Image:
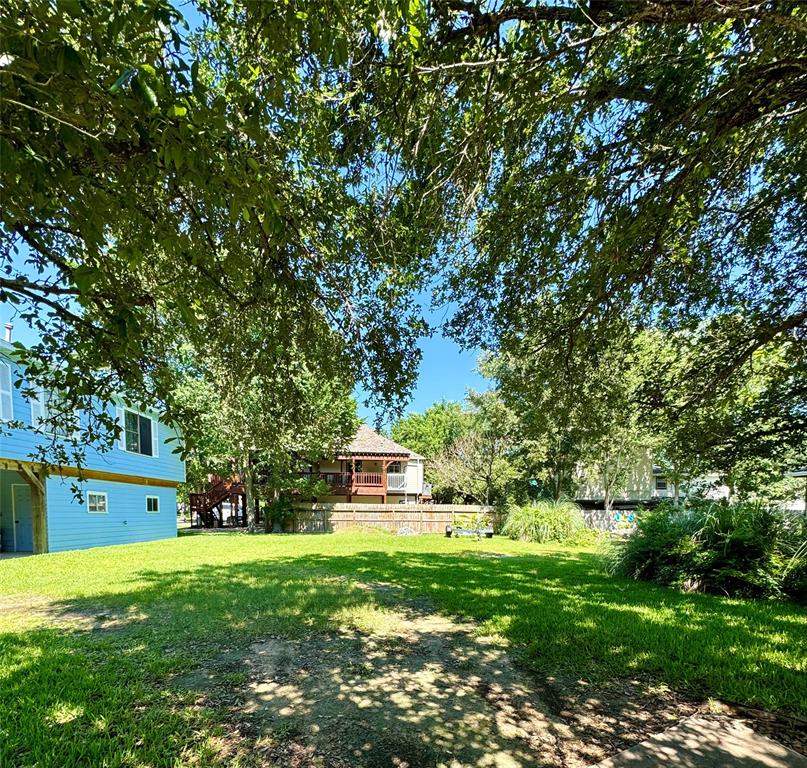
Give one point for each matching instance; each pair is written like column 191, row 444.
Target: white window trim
column 106, row 502
column 157, row 511
column 38, row 401
column 41, row 400
column 7, row 393
column 155, row 432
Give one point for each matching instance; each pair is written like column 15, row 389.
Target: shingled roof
column 368, row 442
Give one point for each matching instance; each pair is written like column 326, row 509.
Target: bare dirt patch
column 396, row 684
column 399, row 688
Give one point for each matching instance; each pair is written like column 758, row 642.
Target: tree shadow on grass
column 119, row 688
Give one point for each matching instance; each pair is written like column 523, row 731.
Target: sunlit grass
column 85, row 674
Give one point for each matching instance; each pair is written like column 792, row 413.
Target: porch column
column 39, row 506
column 385, row 468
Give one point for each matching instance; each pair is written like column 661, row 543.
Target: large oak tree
column 156, row 177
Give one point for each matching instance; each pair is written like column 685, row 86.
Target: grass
column 90, row 641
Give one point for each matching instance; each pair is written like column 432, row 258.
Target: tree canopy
column 570, row 177
column 609, row 167
column 155, row 177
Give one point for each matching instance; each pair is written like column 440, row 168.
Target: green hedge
column 744, row 549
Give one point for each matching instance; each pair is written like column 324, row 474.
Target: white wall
column 640, row 483
column 414, row 476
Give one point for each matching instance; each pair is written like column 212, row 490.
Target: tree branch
column 609, row 11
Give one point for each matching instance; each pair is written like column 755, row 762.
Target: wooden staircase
column 207, row 507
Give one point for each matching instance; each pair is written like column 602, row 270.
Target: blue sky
column 445, row 373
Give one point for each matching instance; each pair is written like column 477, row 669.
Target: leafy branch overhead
column 607, row 167
column 154, row 176
column 566, row 177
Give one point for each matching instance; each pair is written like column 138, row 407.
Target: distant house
column 374, row 470
column 129, row 493
column 646, row 482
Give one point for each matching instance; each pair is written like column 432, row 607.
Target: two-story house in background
column 372, row 469
column 128, row 493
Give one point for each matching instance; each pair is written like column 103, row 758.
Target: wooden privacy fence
column 421, row 518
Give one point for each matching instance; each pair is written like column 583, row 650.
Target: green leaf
column 85, row 276
column 70, row 8
column 144, row 91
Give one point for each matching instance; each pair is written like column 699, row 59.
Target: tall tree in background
column 751, row 434
column 431, row 434
column 267, row 415
column 567, row 413
column 478, row 463
column 267, row 439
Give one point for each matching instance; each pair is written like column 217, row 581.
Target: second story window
column 6, row 403
column 49, row 415
column 139, row 433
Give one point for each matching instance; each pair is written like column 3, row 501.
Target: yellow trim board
column 27, row 467
column 113, row 477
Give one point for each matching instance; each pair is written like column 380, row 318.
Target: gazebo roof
column 368, row 442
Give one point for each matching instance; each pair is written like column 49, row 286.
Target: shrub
column 472, row 522
column 548, row 520
column 745, row 549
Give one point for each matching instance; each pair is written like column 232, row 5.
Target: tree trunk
column 606, row 495
column 249, row 493
column 556, row 485
column 270, row 522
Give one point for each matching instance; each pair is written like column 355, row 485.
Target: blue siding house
column 129, row 493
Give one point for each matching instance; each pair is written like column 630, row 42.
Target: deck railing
column 396, row 481
column 334, row 479
column 348, row 479
column 373, row 479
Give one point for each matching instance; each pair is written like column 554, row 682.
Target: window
column 6, row 403
column 44, row 408
column 395, row 468
column 152, row 504
column 138, row 432
column 661, row 483
column 97, row 503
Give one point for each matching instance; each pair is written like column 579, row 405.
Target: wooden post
column 39, row 507
column 39, row 513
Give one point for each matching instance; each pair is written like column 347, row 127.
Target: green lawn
column 72, row 693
